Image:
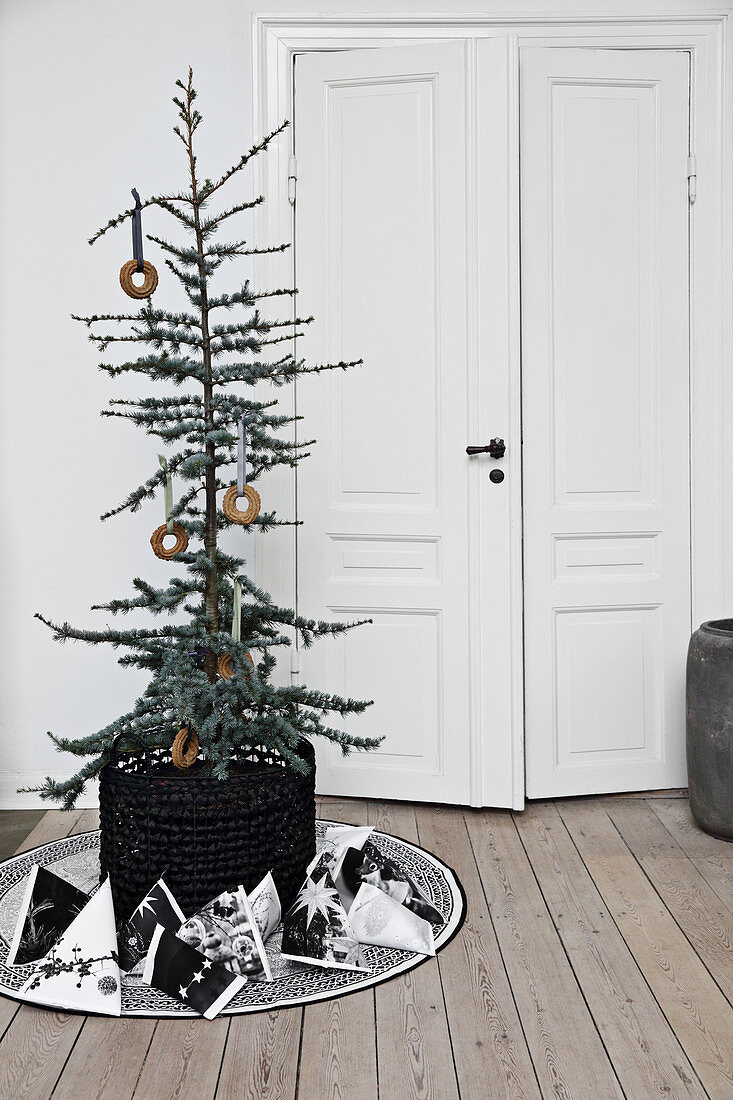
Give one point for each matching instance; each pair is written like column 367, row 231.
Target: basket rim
column 118, row 772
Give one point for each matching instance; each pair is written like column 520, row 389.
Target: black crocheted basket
column 204, row 834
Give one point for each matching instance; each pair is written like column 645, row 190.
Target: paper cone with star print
column 80, row 971
column 157, row 907
column 225, row 931
column 316, row 929
column 184, row 973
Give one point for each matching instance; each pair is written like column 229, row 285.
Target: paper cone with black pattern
column 226, row 932
column 316, row 929
column 80, row 972
column 49, row 906
column 157, row 907
column 181, row 971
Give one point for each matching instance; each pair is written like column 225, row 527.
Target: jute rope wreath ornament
column 225, row 665
column 138, row 265
column 230, row 504
column 169, row 527
column 185, row 748
column 241, row 489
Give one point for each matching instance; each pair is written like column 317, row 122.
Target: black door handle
column 496, row 448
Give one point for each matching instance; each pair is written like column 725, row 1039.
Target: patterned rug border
column 443, row 937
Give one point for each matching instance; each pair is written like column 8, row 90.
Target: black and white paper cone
column 157, row 907
column 226, row 932
column 184, row 973
column 378, row 919
column 336, row 840
column 316, row 929
column 265, row 904
column 371, row 866
column 49, row 906
column 80, row 972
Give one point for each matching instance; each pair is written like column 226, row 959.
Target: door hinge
column 294, row 666
column 692, row 179
column 292, row 179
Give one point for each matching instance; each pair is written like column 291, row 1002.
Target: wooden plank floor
column 596, row 961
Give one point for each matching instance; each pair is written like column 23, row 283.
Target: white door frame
column 708, row 36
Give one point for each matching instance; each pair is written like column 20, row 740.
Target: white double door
column 548, row 611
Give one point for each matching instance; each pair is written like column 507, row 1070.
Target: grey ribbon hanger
column 137, row 232
column 241, row 460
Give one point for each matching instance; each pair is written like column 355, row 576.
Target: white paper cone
column 378, row 919
column 80, row 971
column 265, row 904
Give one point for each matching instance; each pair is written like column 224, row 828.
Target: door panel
column 605, row 379
column 391, row 505
column 380, row 255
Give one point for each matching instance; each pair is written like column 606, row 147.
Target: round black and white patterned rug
column 76, row 858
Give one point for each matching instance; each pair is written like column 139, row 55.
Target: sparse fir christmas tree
column 207, row 675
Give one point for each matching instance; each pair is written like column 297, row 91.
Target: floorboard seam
column 300, row 1053
column 144, row 1061
column 5, row 1030
column 221, row 1062
column 567, row 956
column 642, row 868
column 442, row 988
column 68, row 1056
column 635, row 960
column 501, row 955
column 723, row 902
column 376, row 1039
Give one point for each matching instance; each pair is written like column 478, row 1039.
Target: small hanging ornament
column 241, row 489
column 139, row 265
column 225, row 665
column 169, row 527
column 185, row 748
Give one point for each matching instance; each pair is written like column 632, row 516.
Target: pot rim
column 722, row 627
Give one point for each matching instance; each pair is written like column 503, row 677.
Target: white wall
column 85, row 113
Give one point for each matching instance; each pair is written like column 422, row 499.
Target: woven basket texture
column 204, row 834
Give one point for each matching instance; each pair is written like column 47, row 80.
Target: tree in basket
column 211, row 676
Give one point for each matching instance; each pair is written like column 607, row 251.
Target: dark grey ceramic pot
column 710, row 726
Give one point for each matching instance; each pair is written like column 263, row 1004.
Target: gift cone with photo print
column 316, row 929
column 378, row 919
column 226, row 932
column 336, row 840
column 49, row 906
column 370, row 865
column 80, row 972
column 265, row 904
column 342, row 842
column 181, row 971
column 157, row 907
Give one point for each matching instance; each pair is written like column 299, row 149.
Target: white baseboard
column 11, row 799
